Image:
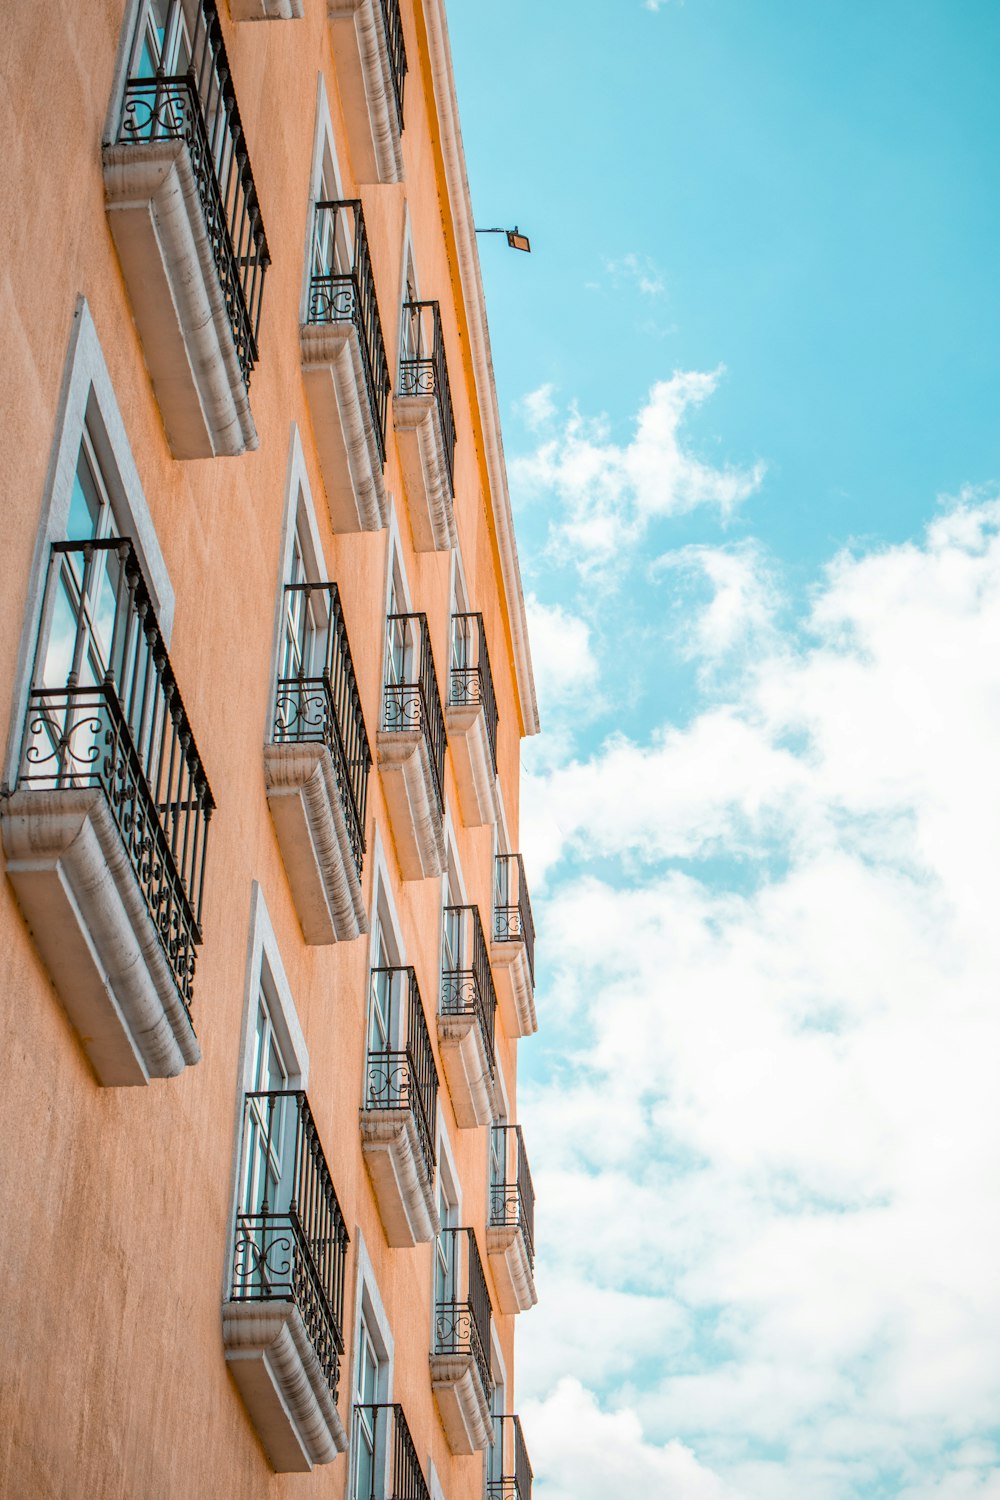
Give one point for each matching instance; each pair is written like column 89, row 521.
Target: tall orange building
column 267, row 948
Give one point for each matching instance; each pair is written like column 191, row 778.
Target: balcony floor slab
column 515, row 989
column 282, row 1384
column 346, row 437
column 158, row 225
column 308, row 814
column 411, row 795
column 511, row 1266
column 425, row 472
column 405, row 1195
column 365, row 77
column 78, row 891
column 473, row 763
column 467, row 1070
column 462, row 1403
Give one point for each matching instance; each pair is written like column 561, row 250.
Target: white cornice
column 479, row 340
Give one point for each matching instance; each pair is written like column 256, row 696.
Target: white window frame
column 383, row 917
column 299, row 515
column 266, row 971
column 87, row 402
column 368, row 1301
column 324, row 155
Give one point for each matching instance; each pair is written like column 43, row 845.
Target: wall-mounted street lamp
column 515, row 239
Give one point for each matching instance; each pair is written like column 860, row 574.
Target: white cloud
column 589, row 1454
column 744, row 601
column 538, row 407
column 610, row 492
column 640, row 271
column 562, row 654
column 778, row 1121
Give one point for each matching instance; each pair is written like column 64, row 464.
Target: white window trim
column 394, row 557
column 263, row 964
column 323, row 143
column 368, row 1297
column 126, row 37
column 86, row 400
column 383, row 900
column 433, row 1482
column 298, row 501
column 498, row 1363
column 459, row 584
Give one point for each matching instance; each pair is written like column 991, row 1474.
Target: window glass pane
column 85, row 502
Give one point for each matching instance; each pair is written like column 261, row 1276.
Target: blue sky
column 749, row 381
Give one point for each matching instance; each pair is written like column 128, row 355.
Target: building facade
column 267, row 948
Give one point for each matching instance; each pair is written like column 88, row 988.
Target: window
column 399, row 637
column 366, row 1397
column 264, row 1141
column 290, row 1241
column 444, row 1249
column 78, row 622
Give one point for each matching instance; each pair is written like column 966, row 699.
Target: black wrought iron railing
column 462, row 1321
column 392, row 21
column 105, row 711
column 423, row 369
column 512, row 1194
column 342, row 290
column 376, row 1426
column 291, row 1240
column 198, row 106
column 512, row 919
column 412, row 698
column 466, row 978
column 400, row 1069
column 509, row 1471
column 471, row 679
column 324, row 707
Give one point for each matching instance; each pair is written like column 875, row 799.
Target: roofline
column 457, row 180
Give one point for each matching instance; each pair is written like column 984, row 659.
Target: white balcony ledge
column 346, row 439
column 403, row 1190
column 360, row 46
column 282, row 1384
column 473, row 763
column 461, row 1402
column 88, row 918
column 312, row 830
column 158, row 226
column 266, row 10
column 425, row 472
column 515, row 991
column 467, row 1070
column 511, row 1266
column 411, row 796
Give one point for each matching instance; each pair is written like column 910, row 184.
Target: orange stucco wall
column 115, row 1203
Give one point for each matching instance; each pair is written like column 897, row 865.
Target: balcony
column 460, row 1363
column 387, row 1466
column 467, row 1018
column 266, row 10
column 183, row 211
column 509, row 1472
column 105, row 831
column 367, row 37
column 316, row 768
column 471, row 718
column 424, row 419
column 283, row 1323
column 399, row 1115
column 512, row 946
column 411, row 746
column 345, row 369
column 510, row 1235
